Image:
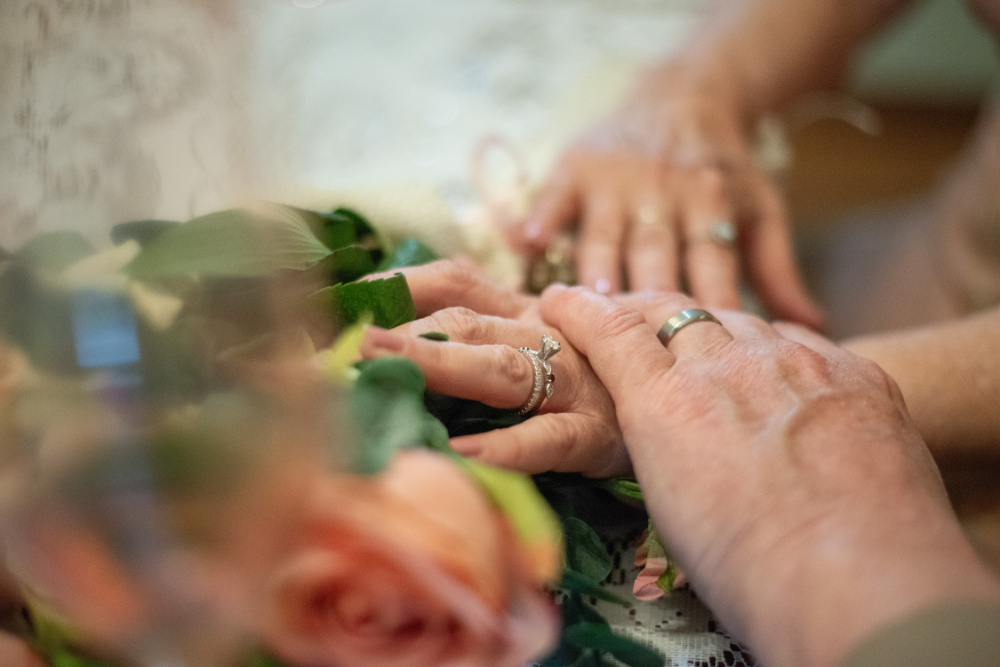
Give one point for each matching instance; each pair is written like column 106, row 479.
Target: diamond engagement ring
column 681, row 320
column 544, row 379
column 722, row 233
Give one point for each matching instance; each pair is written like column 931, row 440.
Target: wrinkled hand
column 574, row 431
column 647, row 186
column 786, row 476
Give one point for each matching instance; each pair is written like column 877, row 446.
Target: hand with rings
column 501, row 353
column 667, row 195
column 783, row 472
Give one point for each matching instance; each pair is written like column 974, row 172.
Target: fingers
column 658, row 308
column 621, row 347
column 712, row 268
column 599, row 252
column 458, row 282
column 651, row 255
column 497, row 375
column 771, row 262
column 556, row 209
column 557, row 441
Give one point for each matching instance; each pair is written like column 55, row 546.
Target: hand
column 574, row 431
column 648, row 186
column 786, row 476
column 15, row 652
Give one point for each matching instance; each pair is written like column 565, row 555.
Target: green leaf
column 435, row 435
column 436, row 335
column 37, row 317
column 55, row 251
column 337, row 362
column 584, row 551
column 350, row 263
column 142, row 231
column 261, row 659
column 516, row 496
column 343, row 227
column 574, row 582
column 235, row 243
column 387, row 404
column 601, row 638
column 629, row 488
column 410, row 252
column 388, row 300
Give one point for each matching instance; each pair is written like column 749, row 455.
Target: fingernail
column 385, row 340
column 603, row 286
column 467, row 447
column 532, row 229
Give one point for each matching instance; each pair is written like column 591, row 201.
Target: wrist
column 830, row 587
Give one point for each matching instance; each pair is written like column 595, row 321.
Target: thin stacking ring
column 542, row 387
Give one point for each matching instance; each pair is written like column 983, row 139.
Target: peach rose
column 410, row 567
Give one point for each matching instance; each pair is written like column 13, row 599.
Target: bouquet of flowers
column 196, row 464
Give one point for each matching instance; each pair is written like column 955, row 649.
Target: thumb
column 621, row 347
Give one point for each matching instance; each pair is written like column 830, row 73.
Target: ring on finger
column 544, row 379
column 722, row 233
column 681, row 320
column 649, row 214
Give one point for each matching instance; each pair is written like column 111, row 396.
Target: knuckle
column 660, row 168
column 463, row 323
column 713, row 183
column 516, row 369
column 878, row 377
column 617, row 321
column 461, row 274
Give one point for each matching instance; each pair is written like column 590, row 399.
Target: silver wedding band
column 681, row 320
column 541, row 388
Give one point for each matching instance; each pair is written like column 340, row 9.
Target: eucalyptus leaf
column 574, row 582
column 436, row 336
column 387, row 405
column 628, row 488
column 409, row 252
column 600, row 637
column 435, row 435
column 387, row 300
column 55, row 251
column 234, row 243
column 585, row 552
column 141, row 231
column 37, row 316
